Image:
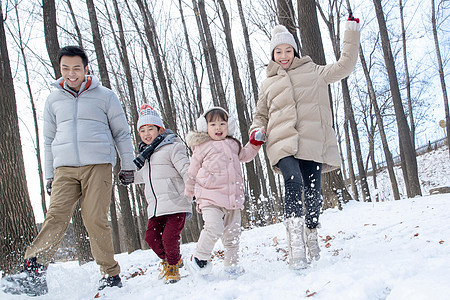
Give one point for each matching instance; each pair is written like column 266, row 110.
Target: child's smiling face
column 149, row 132
column 218, row 129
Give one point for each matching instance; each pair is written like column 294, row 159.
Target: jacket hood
column 195, row 138
column 274, row 68
column 94, row 83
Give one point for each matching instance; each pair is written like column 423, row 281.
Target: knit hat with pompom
column 149, row 116
column 280, row 35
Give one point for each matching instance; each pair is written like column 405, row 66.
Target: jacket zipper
column 151, row 185
column 75, row 119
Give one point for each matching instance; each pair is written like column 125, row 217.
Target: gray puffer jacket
column 84, row 129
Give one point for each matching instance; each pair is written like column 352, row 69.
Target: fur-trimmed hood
column 195, row 138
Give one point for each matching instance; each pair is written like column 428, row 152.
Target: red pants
column 163, row 236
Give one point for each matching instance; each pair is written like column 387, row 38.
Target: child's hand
column 257, row 137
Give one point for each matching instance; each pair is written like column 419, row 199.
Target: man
column 83, row 124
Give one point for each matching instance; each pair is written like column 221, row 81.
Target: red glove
column 352, row 18
column 257, row 137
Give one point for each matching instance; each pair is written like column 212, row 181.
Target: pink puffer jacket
column 215, row 175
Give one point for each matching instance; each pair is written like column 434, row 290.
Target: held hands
column 257, row 137
column 126, row 177
column 48, row 187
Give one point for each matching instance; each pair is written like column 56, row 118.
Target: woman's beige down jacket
column 294, row 109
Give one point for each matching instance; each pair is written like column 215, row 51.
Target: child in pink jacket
column 215, row 180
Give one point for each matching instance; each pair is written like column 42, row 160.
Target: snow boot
column 198, row 267
column 312, row 243
column 296, row 243
column 172, row 274
column 110, row 282
column 163, row 268
column 30, row 281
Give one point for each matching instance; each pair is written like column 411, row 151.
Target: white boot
column 312, row 243
column 296, row 243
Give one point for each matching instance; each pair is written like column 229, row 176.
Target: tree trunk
column 75, row 24
column 51, row 34
column 127, row 216
column 379, row 120
column 441, row 73
column 198, row 89
column 286, row 17
column 333, row 185
column 334, row 32
column 133, row 241
column 407, row 152
column 128, row 75
column 212, row 84
column 407, row 80
column 351, row 117
column 17, row 221
column 351, row 172
column 254, row 181
column 149, row 25
column 212, row 55
column 114, row 223
column 21, row 45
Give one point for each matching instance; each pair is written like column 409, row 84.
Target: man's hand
column 126, row 177
column 48, row 187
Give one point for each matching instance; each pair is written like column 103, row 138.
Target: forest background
column 184, row 56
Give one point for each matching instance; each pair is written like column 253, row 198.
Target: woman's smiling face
column 283, row 55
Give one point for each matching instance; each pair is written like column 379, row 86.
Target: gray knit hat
column 280, row 35
column 149, row 116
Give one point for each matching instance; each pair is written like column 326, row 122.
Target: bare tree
column 254, row 182
column 198, row 89
column 333, row 188
column 21, row 45
column 17, row 221
column 407, row 152
column 379, row 120
column 334, row 31
column 75, row 24
column 51, row 34
column 407, row 80
column 133, row 240
column 212, row 54
column 286, row 17
column 51, row 37
column 251, row 66
column 167, row 110
column 441, row 72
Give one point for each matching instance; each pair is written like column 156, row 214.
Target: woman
column 294, row 109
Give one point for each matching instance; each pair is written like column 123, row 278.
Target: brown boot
column 163, row 268
column 173, row 274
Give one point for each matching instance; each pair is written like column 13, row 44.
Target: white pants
column 220, row 223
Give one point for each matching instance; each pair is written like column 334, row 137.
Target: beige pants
column 93, row 184
column 224, row 223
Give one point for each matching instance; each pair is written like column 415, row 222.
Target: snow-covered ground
column 384, row 250
column 434, row 171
